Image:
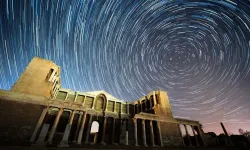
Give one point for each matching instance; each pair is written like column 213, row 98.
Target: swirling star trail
column 198, row 51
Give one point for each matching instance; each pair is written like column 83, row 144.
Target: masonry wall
column 171, row 135
column 17, row 121
column 33, row 79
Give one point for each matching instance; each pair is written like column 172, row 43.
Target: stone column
column 64, row 142
column 66, row 96
column 113, row 132
column 79, row 139
column 78, row 126
column 121, row 108
column 127, row 107
column 144, row 133
column 104, row 130
column 93, row 105
column 141, row 107
column 42, row 135
column 88, row 130
column 225, row 131
column 150, row 103
column 159, row 131
column 115, row 106
column 201, row 135
column 53, row 129
column 187, row 135
column 75, row 96
column 84, row 100
column 154, row 97
column 39, row 123
column 181, row 134
column 146, row 105
column 196, row 140
column 138, row 106
column 121, row 139
column 126, row 140
column 106, row 107
column 152, row 133
column 135, row 131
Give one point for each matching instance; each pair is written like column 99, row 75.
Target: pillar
column 88, row 130
column 141, row 106
column 79, row 139
column 150, row 103
column 84, row 100
column 39, row 123
column 93, row 105
column 154, row 97
column 187, row 135
column 121, row 140
column 135, row 131
column 121, row 108
column 159, row 131
column 138, row 105
column 115, row 106
column 201, row 135
column 225, row 131
column 146, row 105
column 183, row 143
column 78, row 126
column 196, row 140
column 75, row 96
column 106, row 106
column 113, row 131
column 104, row 130
column 53, row 129
column 127, row 107
column 144, row 132
column 64, row 142
column 126, row 140
column 152, row 133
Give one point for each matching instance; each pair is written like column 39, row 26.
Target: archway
column 94, row 131
column 100, row 102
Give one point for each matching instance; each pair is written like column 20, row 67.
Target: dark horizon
column 196, row 51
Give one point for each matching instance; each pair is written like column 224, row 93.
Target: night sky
column 196, row 50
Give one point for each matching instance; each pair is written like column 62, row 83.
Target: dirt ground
column 89, row 147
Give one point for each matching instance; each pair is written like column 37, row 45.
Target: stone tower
column 163, row 108
column 41, row 77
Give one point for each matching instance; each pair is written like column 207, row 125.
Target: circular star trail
column 197, row 51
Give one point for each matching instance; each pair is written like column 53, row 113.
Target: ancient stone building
column 37, row 110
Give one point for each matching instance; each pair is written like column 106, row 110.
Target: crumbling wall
column 17, row 121
column 171, row 135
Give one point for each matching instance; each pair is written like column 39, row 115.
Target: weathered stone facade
column 54, row 115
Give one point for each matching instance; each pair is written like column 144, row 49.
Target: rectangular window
column 61, row 95
column 71, row 97
column 80, row 99
column 111, row 105
column 124, row 108
column 88, row 102
column 49, row 74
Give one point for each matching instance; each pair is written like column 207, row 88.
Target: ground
column 97, row 147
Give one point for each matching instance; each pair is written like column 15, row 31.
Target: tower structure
column 41, row 77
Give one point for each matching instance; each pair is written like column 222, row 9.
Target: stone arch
column 100, row 102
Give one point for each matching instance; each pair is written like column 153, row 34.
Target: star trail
column 197, row 51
